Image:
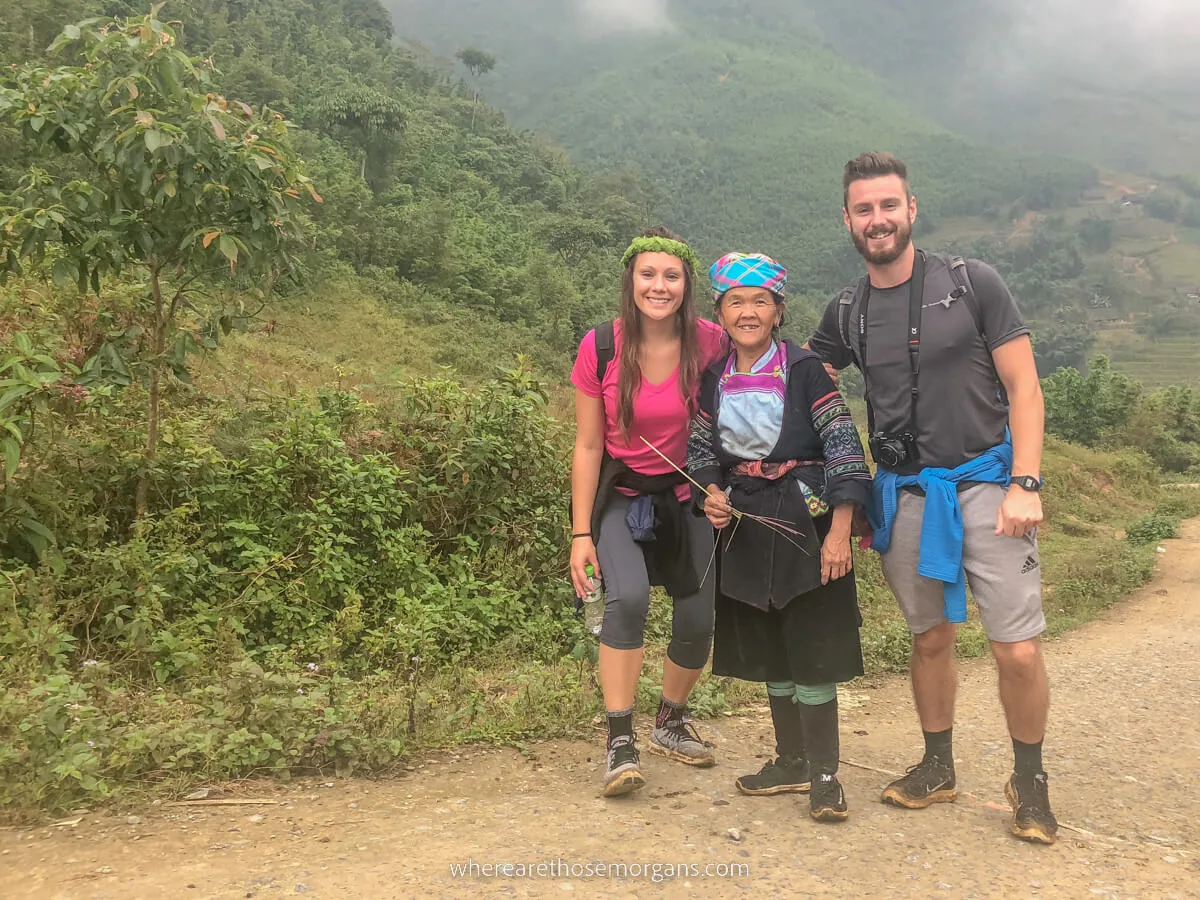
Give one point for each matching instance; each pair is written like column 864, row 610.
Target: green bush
column 1181, row 503
column 1151, row 529
column 327, row 550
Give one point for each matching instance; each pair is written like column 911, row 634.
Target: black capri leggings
column 627, row 589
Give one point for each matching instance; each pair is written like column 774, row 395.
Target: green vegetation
column 1110, row 409
column 742, row 126
column 742, row 114
column 167, row 633
column 349, row 544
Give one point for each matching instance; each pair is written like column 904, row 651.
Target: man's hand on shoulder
column 829, row 369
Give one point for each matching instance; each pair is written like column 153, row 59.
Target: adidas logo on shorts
column 1030, row 565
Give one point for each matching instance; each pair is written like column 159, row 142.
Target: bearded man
column 956, row 421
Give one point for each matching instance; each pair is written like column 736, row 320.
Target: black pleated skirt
column 814, row 639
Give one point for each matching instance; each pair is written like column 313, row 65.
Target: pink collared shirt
column 660, row 414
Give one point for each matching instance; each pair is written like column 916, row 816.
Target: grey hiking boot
column 624, row 774
column 678, row 739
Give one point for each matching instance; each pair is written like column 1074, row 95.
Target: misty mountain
column 1114, row 84
column 740, row 112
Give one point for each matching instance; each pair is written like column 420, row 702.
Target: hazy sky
column 1148, row 36
column 1115, row 40
column 619, row 15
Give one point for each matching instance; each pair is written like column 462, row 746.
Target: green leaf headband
column 660, row 245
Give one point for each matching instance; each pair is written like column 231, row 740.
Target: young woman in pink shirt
column 631, row 515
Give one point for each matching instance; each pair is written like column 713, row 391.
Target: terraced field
column 1173, row 360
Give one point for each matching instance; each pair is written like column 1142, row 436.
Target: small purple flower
column 313, row 667
column 91, row 662
column 91, row 743
column 299, row 690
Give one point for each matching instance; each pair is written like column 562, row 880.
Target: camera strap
column 916, row 296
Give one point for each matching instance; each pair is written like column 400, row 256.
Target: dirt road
column 1123, row 754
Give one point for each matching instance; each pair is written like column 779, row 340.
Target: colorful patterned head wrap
column 747, row 270
column 660, row 245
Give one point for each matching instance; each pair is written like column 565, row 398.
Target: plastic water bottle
column 593, row 602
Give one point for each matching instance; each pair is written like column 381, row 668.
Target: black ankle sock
column 668, row 710
column 620, row 722
column 940, row 744
column 821, row 737
column 1027, row 757
column 789, row 733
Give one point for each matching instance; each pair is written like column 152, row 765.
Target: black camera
column 893, row 450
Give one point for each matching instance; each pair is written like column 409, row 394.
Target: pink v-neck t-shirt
column 660, row 414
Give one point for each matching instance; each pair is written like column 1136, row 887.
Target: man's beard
column 884, row 257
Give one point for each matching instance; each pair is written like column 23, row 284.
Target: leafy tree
column 371, row 17
column 371, row 118
column 1086, row 409
column 573, row 237
column 1169, row 320
column 1164, row 204
column 478, row 63
column 1062, row 343
column 1096, row 234
column 1188, row 183
column 166, row 178
column 27, row 375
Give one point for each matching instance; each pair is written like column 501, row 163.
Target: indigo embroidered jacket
column 781, row 440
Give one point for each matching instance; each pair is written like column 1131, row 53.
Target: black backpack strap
column 606, row 343
column 962, row 279
column 849, row 296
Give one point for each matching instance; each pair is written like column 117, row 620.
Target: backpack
column 606, row 348
column 854, row 294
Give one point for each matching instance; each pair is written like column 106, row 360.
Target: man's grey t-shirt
column 961, row 410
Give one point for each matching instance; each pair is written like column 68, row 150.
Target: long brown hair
column 629, row 375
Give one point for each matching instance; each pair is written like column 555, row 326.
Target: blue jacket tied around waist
column 941, row 555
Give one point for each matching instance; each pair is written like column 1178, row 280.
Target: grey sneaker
column 624, row 773
column 678, row 739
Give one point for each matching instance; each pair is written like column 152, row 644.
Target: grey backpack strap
column 962, row 280
column 606, row 343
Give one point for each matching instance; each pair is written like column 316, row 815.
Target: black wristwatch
column 1027, row 482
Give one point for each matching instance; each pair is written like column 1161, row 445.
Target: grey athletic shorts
column 1003, row 572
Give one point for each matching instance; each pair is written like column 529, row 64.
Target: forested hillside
column 742, row 113
column 232, row 536
column 419, row 182
column 738, row 115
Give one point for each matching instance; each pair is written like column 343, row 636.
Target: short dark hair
column 873, row 165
